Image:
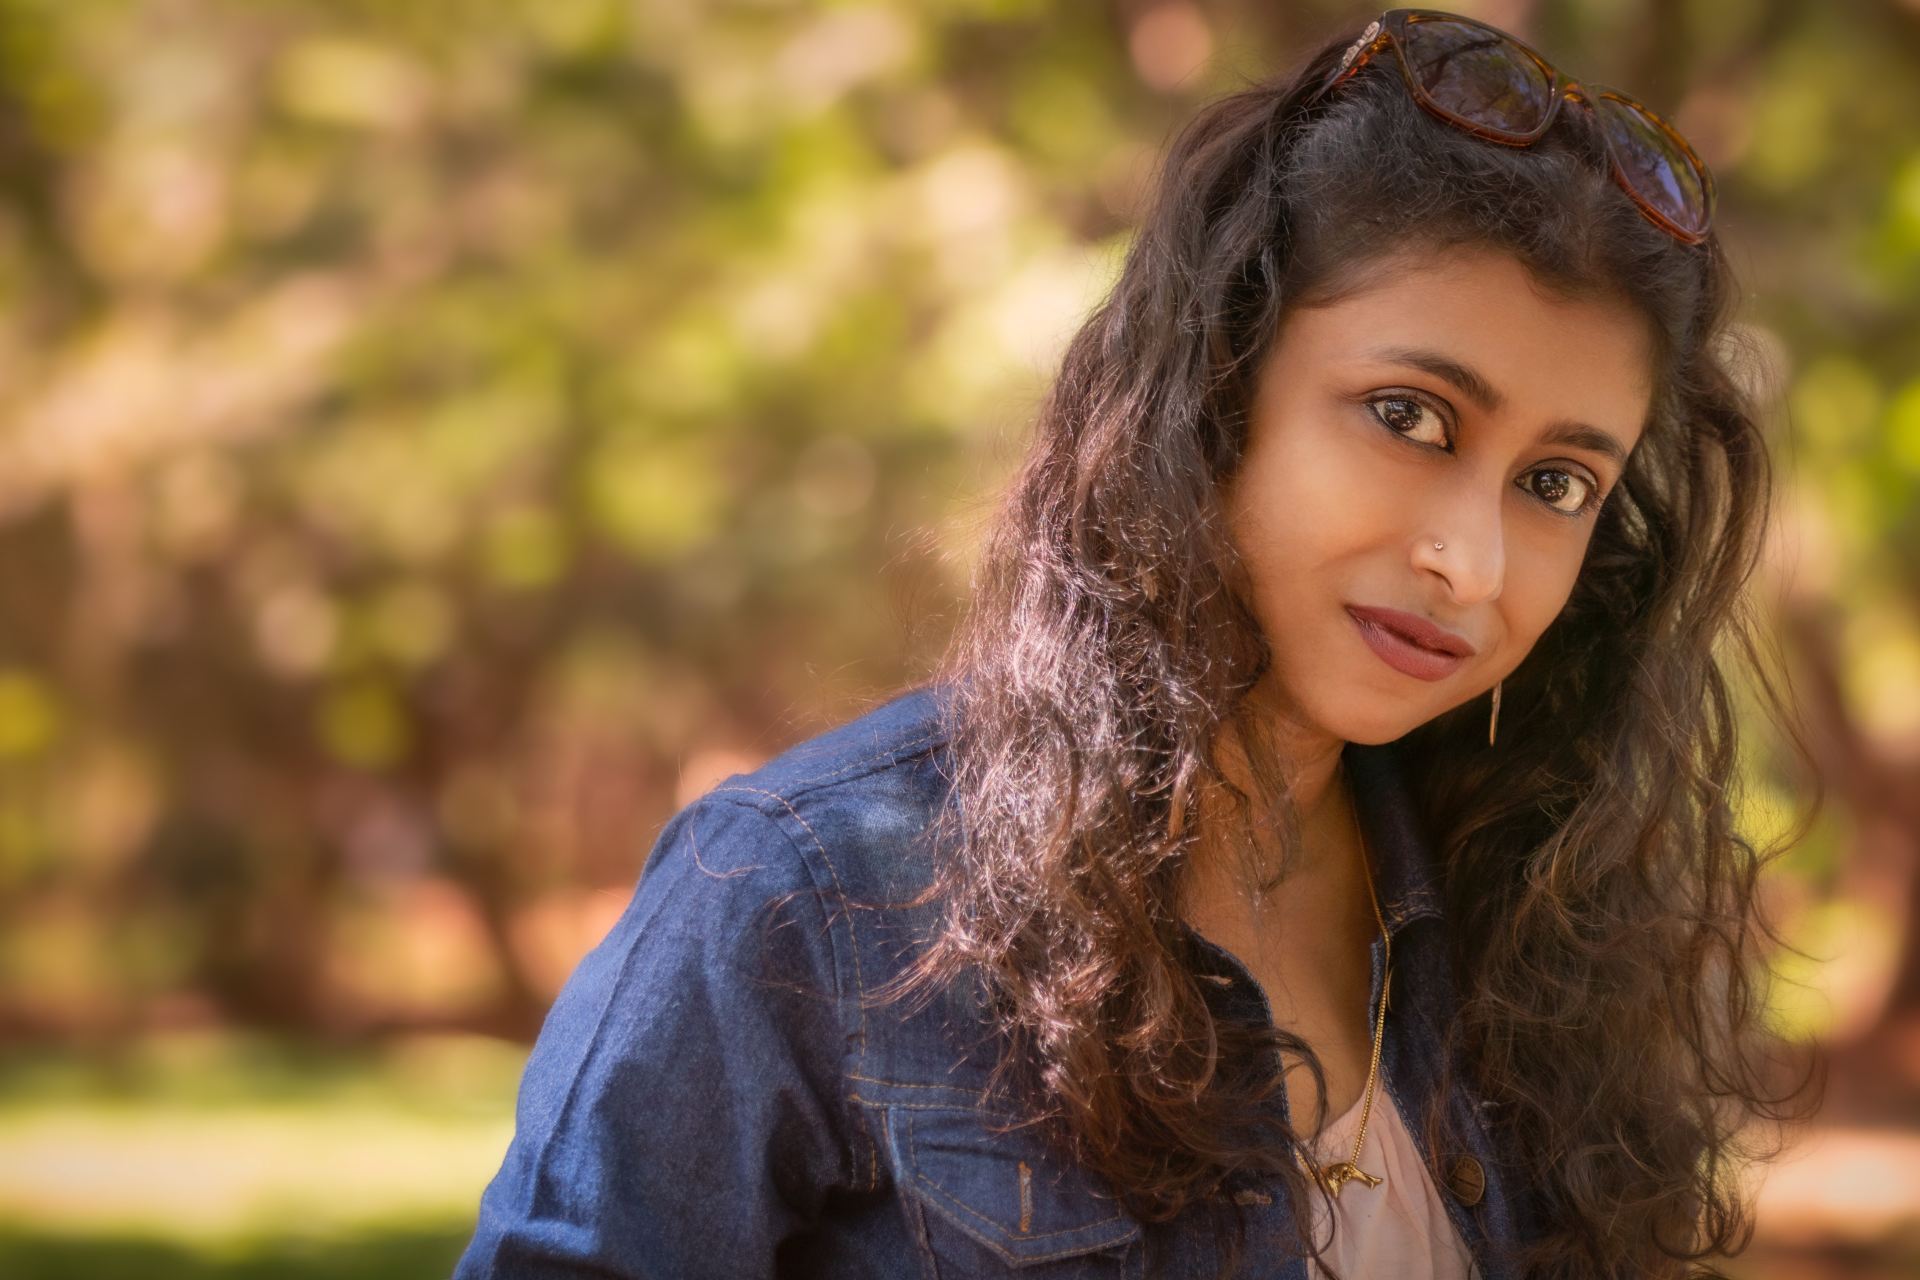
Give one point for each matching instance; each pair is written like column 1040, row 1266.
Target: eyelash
column 1587, row 508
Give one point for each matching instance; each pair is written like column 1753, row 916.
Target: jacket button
column 1467, row 1180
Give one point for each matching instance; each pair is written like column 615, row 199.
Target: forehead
column 1549, row 356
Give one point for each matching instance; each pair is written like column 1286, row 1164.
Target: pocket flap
column 1009, row 1191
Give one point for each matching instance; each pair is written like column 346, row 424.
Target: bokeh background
column 439, row 438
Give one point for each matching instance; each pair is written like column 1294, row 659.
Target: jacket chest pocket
column 997, row 1204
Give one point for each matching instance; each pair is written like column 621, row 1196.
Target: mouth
column 1414, row 629
column 1406, row 654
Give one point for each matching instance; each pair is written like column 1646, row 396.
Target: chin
column 1368, row 726
column 1376, row 733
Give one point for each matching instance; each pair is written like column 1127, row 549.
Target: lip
column 1415, row 628
column 1384, row 631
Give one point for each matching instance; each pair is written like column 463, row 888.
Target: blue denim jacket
column 710, row 1097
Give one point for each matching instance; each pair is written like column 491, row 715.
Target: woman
column 1316, row 851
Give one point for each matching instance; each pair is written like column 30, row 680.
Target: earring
column 1494, row 719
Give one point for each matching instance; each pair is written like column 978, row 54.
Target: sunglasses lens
column 1478, row 75
column 1654, row 164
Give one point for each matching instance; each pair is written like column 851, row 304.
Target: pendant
column 1335, row 1176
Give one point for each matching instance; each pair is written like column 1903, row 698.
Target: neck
column 1298, row 913
column 1312, row 778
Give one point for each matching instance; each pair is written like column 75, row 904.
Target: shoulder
column 908, row 724
column 827, row 847
column 855, row 802
column 741, row 944
column 985, row 1192
column 857, row 807
column 739, row 967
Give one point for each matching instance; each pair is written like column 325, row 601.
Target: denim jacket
column 711, row 1097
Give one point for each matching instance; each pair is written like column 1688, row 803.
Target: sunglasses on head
column 1480, row 79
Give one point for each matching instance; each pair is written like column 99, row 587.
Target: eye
column 1405, row 415
column 1401, row 414
column 1560, row 484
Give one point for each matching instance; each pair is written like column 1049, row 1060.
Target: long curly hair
column 1610, row 947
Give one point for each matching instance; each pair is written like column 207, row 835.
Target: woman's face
column 1425, row 408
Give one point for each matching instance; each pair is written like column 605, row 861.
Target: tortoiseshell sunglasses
column 1478, row 78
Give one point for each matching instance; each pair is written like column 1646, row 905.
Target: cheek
column 1537, row 589
column 1301, row 495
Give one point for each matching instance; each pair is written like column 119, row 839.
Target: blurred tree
column 439, row 439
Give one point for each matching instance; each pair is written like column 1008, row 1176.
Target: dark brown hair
column 1609, row 947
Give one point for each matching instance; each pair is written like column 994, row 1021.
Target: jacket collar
column 1405, row 873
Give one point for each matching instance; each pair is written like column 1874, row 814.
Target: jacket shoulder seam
column 853, row 937
column 898, row 753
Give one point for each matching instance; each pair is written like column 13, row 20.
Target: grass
column 236, row 1156
column 373, row 1254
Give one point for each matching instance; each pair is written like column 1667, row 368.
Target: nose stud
column 1438, row 545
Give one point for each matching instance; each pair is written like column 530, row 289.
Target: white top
column 1399, row 1228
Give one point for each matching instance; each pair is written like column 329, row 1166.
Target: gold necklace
column 1335, row 1176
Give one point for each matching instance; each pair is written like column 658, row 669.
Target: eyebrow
column 1476, row 388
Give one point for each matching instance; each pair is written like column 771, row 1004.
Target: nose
column 1472, row 557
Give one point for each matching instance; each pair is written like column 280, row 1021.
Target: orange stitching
column 885, row 1105
column 913, row 1156
column 1026, row 1198
column 909, row 1084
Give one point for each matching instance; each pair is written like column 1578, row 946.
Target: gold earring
column 1494, row 719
